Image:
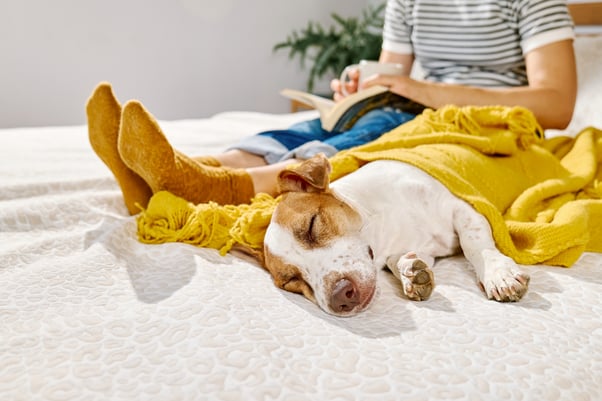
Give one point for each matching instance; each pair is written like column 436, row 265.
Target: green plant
column 346, row 42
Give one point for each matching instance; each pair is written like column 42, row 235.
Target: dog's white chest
column 403, row 209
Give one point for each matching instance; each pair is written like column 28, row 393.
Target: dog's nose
column 345, row 296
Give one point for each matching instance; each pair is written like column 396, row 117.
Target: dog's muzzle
column 347, row 296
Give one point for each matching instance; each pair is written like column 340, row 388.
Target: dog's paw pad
column 507, row 285
column 417, row 278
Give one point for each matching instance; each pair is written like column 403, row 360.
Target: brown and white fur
column 327, row 241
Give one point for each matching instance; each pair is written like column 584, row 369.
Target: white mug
column 368, row 68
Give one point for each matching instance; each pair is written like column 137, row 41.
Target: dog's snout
column 345, row 296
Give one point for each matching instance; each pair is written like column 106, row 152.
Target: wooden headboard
column 586, row 13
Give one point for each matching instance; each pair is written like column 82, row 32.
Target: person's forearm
column 550, row 94
column 551, row 108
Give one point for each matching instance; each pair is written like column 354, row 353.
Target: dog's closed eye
column 309, row 232
column 312, row 232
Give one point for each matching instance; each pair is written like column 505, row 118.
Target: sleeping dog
column 326, row 241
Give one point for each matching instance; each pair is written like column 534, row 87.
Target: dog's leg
column 416, row 277
column 498, row 275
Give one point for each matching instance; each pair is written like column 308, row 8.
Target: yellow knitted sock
column 104, row 114
column 144, row 148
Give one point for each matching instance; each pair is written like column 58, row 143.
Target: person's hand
column 351, row 86
column 396, row 83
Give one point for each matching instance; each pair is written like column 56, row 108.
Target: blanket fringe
column 169, row 218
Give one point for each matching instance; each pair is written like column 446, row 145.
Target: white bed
column 89, row 313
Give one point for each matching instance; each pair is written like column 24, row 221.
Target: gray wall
column 181, row 58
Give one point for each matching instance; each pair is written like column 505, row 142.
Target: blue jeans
column 307, row 138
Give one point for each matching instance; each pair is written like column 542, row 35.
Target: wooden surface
column 586, row 13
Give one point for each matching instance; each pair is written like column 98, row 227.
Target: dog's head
column 313, row 245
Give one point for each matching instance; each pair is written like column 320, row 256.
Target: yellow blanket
column 543, row 197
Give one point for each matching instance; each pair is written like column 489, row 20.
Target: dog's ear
column 309, row 176
column 257, row 254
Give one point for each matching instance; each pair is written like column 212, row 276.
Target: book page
column 320, row 103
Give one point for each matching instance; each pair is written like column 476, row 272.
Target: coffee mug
column 368, row 68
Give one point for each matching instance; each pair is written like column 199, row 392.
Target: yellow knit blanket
column 543, row 197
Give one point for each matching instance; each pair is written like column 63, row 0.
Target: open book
column 340, row 116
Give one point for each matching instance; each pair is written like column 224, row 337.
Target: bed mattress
column 89, row 313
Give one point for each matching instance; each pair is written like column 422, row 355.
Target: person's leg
column 144, row 149
column 104, row 117
column 270, row 147
column 207, row 160
column 237, row 158
column 369, row 127
column 302, row 141
column 263, row 175
column 265, row 178
column 266, row 154
column 104, row 113
column 143, row 162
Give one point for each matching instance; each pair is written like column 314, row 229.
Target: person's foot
column 104, row 115
column 145, row 149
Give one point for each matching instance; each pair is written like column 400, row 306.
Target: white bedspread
column 89, row 313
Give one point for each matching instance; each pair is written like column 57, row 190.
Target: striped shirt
column 474, row 42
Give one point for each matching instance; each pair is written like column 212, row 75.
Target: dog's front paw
column 505, row 284
column 417, row 278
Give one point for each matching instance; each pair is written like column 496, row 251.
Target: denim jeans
column 307, row 138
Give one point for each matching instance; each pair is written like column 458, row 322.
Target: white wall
column 181, row 58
